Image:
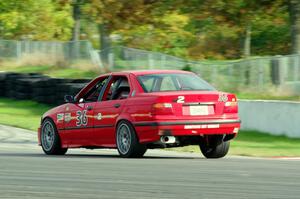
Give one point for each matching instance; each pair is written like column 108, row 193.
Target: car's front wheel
column 214, row 149
column 127, row 141
column 50, row 139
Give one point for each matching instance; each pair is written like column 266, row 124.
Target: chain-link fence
column 258, row 74
column 47, row 52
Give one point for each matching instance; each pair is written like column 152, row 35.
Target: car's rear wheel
column 50, row 140
column 127, row 141
column 215, row 147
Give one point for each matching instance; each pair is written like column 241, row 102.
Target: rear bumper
column 152, row 131
column 176, row 123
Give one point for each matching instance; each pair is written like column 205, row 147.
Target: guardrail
column 272, row 116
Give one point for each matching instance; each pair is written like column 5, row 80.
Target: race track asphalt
column 25, row 172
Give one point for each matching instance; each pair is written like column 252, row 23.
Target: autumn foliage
column 195, row 29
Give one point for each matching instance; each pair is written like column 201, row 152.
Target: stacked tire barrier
column 37, row 87
column 2, row 84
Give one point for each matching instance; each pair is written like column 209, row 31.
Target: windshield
column 173, row 82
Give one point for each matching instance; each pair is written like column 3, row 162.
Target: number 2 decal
column 180, row 99
column 82, row 119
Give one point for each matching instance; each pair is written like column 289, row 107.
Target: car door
column 108, row 110
column 77, row 124
column 79, row 116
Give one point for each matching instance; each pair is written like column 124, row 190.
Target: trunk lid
column 195, row 104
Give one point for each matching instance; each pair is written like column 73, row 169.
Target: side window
column 93, row 94
column 118, row 89
column 167, row 84
column 148, row 82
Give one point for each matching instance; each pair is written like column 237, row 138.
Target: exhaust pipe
column 168, row 139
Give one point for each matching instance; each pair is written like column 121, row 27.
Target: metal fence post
column 27, row 47
column 278, row 69
column 296, row 67
column 18, row 50
column 96, row 59
column 283, row 69
column 275, row 71
column 150, row 61
column 260, row 73
column 111, row 60
column 214, row 74
column 163, row 61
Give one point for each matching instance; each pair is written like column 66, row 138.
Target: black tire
column 52, row 147
column 216, row 151
column 134, row 148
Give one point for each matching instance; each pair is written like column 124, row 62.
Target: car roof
column 148, row 72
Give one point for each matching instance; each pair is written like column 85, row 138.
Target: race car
column 133, row 111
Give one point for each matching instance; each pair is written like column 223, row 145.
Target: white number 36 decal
column 180, row 99
column 81, row 118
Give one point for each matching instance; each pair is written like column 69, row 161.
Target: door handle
column 89, row 108
column 117, row 105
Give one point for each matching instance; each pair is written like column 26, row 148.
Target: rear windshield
column 173, row 82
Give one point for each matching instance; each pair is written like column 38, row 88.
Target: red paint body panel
column 202, row 113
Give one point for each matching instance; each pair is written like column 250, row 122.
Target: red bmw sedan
column 133, row 111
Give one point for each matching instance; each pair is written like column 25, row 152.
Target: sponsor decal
column 236, row 130
column 204, row 126
column 223, row 97
column 213, row 126
column 68, row 117
column 59, row 117
column 99, row 116
column 192, row 126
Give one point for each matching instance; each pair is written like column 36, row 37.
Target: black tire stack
column 10, row 83
column 2, row 84
column 23, row 86
column 38, row 87
column 43, row 90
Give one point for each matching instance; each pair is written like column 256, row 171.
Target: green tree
column 168, row 34
column 31, row 19
column 111, row 15
column 226, row 28
column 294, row 11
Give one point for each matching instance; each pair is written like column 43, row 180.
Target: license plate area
column 198, row 110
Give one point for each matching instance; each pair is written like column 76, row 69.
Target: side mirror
column 69, row 99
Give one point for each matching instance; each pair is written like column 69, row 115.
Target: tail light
column 162, row 109
column 231, row 106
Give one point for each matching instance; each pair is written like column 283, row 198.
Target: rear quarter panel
column 138, row 109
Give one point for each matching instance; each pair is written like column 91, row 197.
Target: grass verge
column 23, row 114
column 262, row 96
column 253, row 143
